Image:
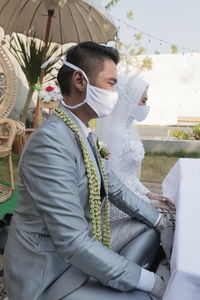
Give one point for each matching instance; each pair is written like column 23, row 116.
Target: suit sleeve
column 49, row 171
column 128, row 202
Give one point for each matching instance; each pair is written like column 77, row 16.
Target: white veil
column 130, row 89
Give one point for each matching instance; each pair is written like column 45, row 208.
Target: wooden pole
column 48, row 28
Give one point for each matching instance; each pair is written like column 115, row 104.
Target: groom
column 60, row 245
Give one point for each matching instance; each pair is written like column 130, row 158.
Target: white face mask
column 140, row 112
column 100, row 100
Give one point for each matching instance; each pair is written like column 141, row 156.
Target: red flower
column 49, row 88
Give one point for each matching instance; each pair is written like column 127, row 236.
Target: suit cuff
column 158, row 220
column 146, row 281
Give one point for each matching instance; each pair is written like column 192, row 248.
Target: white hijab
column 130, row 89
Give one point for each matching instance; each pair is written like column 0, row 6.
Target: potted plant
column 196, row 131
column 29, row 53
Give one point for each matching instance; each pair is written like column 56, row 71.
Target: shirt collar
column 85, row 129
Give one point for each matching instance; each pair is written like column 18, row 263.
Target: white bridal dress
column 123, row 142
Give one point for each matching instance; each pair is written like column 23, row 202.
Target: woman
column 124, row 144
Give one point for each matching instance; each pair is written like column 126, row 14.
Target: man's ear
column 79, row 81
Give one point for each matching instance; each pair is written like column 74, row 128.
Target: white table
column 182, row 185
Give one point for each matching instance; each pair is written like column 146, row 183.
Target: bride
column 124, row 143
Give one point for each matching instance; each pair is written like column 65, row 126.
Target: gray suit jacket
column 50, row 251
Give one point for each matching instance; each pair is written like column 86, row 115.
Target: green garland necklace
column 100, row 229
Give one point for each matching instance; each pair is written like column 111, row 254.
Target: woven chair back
column 7, row 133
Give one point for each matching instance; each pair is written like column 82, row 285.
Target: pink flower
column 49, row 88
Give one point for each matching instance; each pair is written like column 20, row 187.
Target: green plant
column 29, row 52
column 111, row 3
column 132, row 54
column 196, row 131
column 174, row 49
column 181, row 135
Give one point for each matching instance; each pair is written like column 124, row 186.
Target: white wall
column 174, row 88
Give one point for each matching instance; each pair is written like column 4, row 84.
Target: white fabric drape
column 182, row 186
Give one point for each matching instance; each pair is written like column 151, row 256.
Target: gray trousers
column 133, row 240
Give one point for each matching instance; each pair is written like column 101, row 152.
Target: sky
column 175, row 21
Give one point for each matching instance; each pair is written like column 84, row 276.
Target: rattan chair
column 7, row 135
column 20, row 137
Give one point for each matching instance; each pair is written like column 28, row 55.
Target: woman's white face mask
column 138, row 112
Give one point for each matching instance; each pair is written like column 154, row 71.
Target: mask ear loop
column 68, row 64
column 76, row 69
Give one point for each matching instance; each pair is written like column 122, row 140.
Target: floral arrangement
column 100, row 228
column 49, row 93
column 103, row 150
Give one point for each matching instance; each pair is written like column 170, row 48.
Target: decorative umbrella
column 68, row 20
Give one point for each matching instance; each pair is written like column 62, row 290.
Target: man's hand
column 164, row 227
column 159, row 287
column 164, row 200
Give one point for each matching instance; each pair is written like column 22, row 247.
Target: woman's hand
column 164, row 200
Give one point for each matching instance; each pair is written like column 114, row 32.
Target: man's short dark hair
column 89, row 57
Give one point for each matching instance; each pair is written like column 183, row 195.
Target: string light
column 149, row 35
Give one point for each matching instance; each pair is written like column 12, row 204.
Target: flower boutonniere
column 102, row 148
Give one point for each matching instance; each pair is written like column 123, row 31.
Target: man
column 59, row 237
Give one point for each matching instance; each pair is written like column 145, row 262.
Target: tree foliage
column 111, row 3
column 127, row 51
column 130, row 14
column 133, row 55
column 174, row 49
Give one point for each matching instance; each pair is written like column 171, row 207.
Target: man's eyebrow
column 145, row 98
